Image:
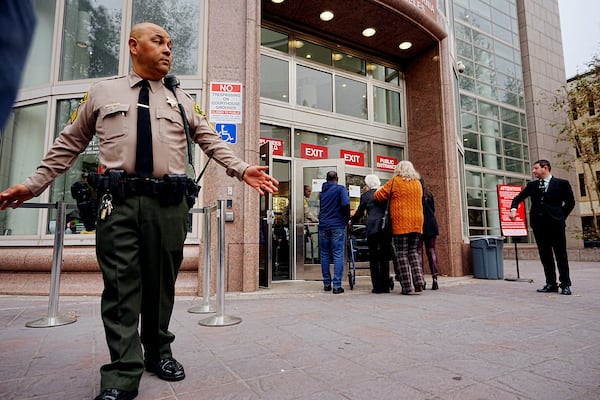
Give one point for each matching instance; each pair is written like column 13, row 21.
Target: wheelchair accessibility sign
column 228, row 132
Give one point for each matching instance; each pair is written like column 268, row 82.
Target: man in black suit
column 552, row 201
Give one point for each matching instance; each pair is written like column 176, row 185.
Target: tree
column 579, row 101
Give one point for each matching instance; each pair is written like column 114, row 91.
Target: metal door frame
column 297, row 245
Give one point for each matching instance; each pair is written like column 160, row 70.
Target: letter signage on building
column 313, row 152
column 354, row 158
column 225, row 103
column 277, row 145
column 386, row 163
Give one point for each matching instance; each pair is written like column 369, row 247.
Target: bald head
column 150, row 49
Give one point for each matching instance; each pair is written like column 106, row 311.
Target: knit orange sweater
column 406, row 206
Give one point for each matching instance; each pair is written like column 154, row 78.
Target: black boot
column 434, row 286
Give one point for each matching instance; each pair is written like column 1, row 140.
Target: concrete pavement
column 472, row 339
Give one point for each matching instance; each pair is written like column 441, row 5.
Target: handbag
column 385, row 226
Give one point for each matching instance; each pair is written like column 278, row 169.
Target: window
column 582, row 190
column 274, row 40
column 181, row 19
column 314, row 88
column 313, row 52
column 274, row 78
column 91, row 39
column 37, row 69
column 21, row 148
column 350, row 97
column 386, row 106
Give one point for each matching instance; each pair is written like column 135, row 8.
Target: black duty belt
column 170, row 190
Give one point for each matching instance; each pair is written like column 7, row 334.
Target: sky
column 580, row 27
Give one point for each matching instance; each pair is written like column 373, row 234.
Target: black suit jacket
column 554, row 205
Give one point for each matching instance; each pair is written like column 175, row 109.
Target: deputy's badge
column 74, row 115
column 172, row 102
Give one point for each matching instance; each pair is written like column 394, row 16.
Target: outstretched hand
column 14, row 196
column 256, row 177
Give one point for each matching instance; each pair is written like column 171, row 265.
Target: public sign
column 518, row 227
column 225, row 103
column 228, row 132
column 386, row 163
column 277, row 145
column 353, row 158
column 313, row 151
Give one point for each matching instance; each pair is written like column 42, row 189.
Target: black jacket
column 374, row 209
column 553, row 205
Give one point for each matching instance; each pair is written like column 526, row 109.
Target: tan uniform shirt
column 109, row 110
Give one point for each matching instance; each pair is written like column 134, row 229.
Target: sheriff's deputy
column 139, row 239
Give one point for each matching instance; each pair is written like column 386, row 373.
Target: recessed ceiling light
column 368, row 32
column 326, row 16
column 277, row 1
column 405, row 45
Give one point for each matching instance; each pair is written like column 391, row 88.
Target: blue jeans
column 331, row 244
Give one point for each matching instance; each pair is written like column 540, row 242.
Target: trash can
column 487, row 256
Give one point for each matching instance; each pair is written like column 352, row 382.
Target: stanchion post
column 205, row 307
column 220, row 319
column 53, row 319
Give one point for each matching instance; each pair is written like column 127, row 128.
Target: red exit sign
column 313, row 152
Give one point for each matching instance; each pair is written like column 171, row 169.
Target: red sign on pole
column 313, row 151
column 518, row 227
column 353, row 158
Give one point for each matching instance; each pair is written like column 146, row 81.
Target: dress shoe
column 338, row 290
column 327, row 288
column 419, row 288
column 435, row 286
column 548, row 289
column 117, row 394
column 167, row 369
column 566, row 290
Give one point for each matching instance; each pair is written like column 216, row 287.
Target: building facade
column 453, row 86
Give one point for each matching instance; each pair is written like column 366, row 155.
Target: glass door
column 267, row 218
column 310, row 175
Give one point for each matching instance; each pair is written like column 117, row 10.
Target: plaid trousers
column 409, row 260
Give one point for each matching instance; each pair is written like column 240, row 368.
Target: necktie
column 542, row 185
column 143, row 156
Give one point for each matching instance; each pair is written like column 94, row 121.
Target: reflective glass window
column 349, row 63
column 274, row 40
column 313, row 52
column 37, row 68
column 274, row 78
column 351, row 97
column 181, row 19
column 91, row 39
column 386, row 106
column 314, row 88
column 21, row 149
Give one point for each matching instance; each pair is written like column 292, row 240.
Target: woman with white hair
column 379, row 245
column 406, row 212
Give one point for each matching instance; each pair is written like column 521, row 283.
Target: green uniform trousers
column 139, row 247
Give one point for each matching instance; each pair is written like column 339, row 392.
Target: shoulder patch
column 198, row 110
column 201, row 113
column 83, row 100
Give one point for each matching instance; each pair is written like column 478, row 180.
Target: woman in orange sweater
column 406, row 212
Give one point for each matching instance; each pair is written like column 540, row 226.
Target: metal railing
column 53, row 318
